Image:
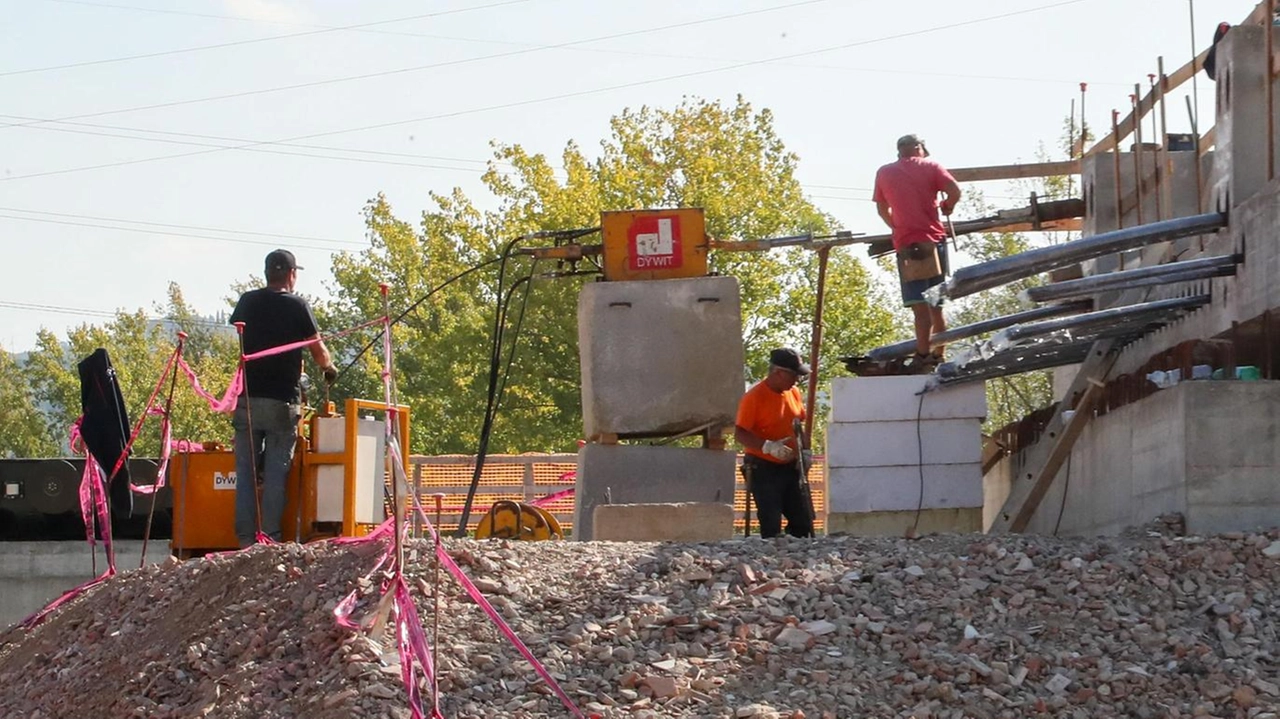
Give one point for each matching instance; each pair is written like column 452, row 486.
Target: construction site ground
column 1145, row 625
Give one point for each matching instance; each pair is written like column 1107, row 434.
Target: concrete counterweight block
column 644, row 474
column 899, row 460
column 660, row 357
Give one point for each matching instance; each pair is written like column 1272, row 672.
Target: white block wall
column 878, row 428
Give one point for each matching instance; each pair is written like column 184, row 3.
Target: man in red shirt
column 764, row 429
column 906, row 196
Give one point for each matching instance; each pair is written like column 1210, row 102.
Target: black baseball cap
column 282, row 260
column 787, row 358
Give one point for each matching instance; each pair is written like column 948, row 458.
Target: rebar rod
column 906, row 347
column 1003, row 270
column 1141, row 277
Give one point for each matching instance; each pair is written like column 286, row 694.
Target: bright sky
column 151, row 141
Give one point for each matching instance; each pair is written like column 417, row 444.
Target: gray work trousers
column 263, row 452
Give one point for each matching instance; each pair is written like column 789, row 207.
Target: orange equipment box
column 204, row 501
column 654, row 244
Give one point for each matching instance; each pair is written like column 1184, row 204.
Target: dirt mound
column 950, row 626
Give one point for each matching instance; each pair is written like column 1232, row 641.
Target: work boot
column 922, row 364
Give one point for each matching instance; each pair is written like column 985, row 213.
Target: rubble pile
column 936, row 627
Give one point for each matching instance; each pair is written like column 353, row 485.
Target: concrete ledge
column 32, row 574
column 896, row 524
column 673, row 522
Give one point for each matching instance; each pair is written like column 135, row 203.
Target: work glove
column 779, row 450
column 330, row 374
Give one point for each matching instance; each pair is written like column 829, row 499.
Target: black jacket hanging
column 105, row 427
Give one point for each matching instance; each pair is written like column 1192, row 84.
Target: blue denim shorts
column 913, row 290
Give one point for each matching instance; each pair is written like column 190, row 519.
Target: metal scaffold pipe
column 1197, row 269
column 1002, row 271
column 1102, row 318
column 904, row 348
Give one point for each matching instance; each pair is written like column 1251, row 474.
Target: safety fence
column 526, row 477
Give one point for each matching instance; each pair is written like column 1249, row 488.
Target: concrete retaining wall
column 1208, row 450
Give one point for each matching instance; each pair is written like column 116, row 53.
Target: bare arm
column 320, row 354
column 885, row 213
column 952, row 191
column 747, row 438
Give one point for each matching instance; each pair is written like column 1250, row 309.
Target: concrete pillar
column 893, row 454
column 1241, row 129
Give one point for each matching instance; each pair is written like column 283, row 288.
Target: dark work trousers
column 776, row 489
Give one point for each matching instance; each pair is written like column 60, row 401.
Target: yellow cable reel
column 517, row 520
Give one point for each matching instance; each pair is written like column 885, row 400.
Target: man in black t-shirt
column 266, row 417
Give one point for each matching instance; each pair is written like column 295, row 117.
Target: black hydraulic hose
column 412, row 307
column 495, row 361
column 515, row 334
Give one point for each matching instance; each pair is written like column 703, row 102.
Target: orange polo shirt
column 769, row 415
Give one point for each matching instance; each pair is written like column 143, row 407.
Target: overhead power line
column 428, row 66
column 562, row 96
column 210, row 238
column 86, row 312
column 234, row 43
column 181, row 227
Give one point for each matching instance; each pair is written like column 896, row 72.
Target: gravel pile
column 945, row 626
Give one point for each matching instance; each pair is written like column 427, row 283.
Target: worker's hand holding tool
column 778, row 449
column 330, row 374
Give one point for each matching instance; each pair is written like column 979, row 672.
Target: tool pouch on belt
column 919, row 261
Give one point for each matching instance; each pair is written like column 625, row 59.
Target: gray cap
column 913, row 139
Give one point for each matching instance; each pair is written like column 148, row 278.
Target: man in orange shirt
column 764, row 429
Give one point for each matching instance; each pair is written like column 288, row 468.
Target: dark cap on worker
column 912, row 139
column 787, row 358
column 282, row 260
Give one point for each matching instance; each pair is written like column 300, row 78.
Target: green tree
column 22, row 427
column 727, row 160
column 139, row 347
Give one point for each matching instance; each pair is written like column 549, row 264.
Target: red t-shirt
column 910, row 186
column 769, row 415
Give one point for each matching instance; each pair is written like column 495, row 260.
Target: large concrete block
column 885, row 399
column 872, row 489
column 644, row 474
column 897, row 524
column 883, row 444
column 660, row 357
column 670, row 522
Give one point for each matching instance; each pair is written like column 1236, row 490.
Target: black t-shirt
column 272, row 318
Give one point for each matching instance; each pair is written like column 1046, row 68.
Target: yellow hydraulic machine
column 338, row 484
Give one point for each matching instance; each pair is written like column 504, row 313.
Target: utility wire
column 169, row 234
column 166, row 224
column 235, row 43
column 80, row 311
column 521, row 103
column 428, row 66
column 225, row 138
